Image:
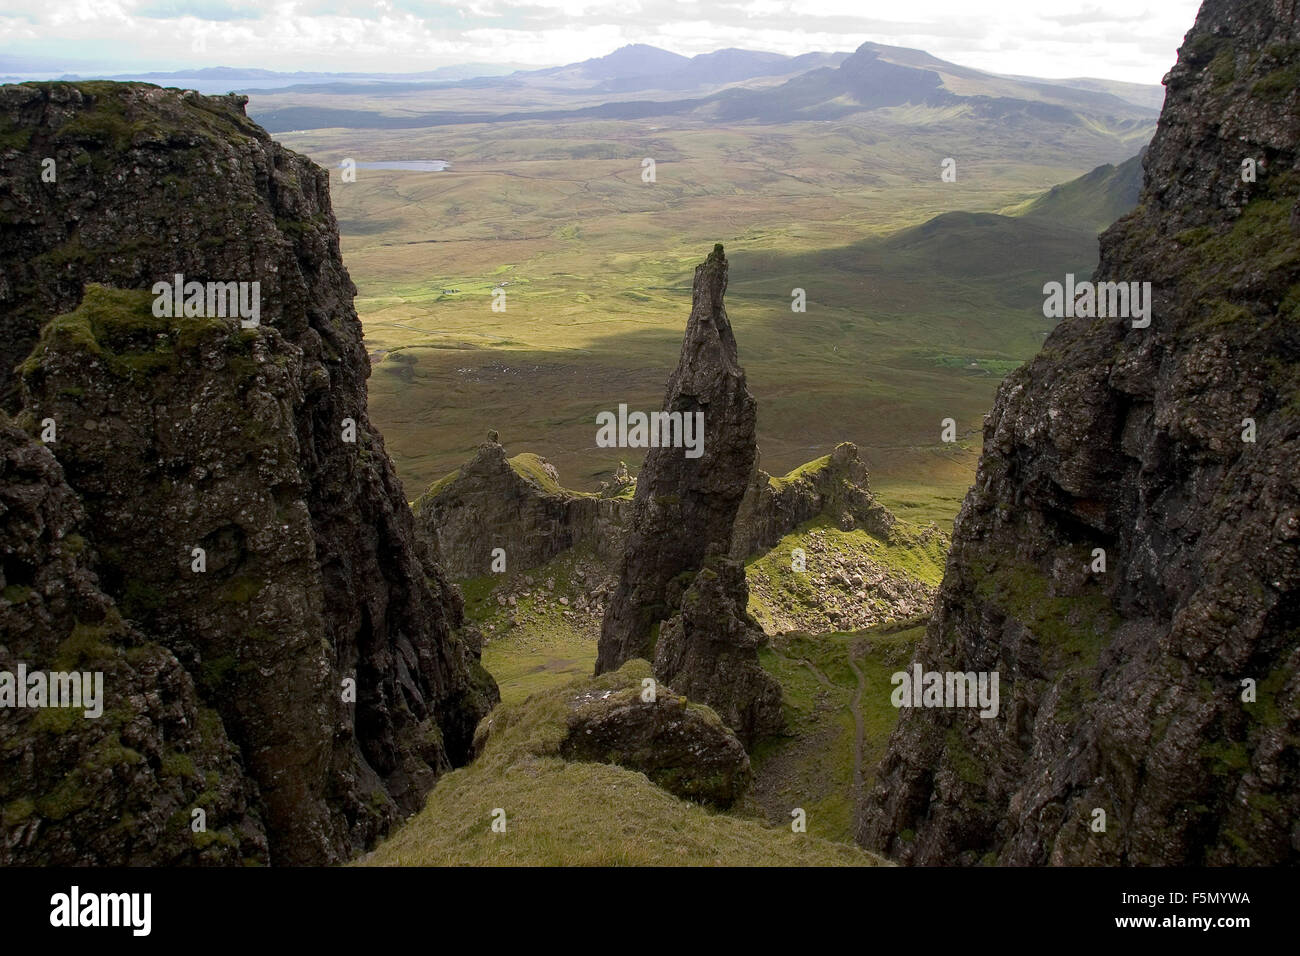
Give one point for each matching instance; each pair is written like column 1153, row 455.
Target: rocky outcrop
column 1164, row 690
column 250, row 444
column 622, row 482
column 516, row 505
column 519, row 506
column 708, row 650
column 681, row 746
column 621, row 717
column 836, row 485
column 684, row 506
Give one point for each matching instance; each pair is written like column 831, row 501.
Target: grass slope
column 580, row 814
column 778, row 594
column 533, row 646
column 840, row 724
column 1094, row 201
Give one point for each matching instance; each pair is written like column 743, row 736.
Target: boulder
column 679, row 744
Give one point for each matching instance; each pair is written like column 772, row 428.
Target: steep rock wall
column 1122, row 691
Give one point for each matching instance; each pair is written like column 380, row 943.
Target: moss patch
column 803, row 471
column 118, row 327
column 1277, row 85
column 16, row 593
column 1078, row 626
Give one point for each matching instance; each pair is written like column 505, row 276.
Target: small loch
column 411, row 165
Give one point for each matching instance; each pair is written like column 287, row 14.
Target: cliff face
column 118, row 787
column 192, row 432
column 1124, row 690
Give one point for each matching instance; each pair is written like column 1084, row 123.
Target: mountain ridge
column 872, row 77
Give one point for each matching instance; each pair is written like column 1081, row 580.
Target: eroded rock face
column 490, row 503
column 1123, row 690
column 683, row 506
column 709, row 652
column 118, row 786
column 680, row 746
column 182, row 433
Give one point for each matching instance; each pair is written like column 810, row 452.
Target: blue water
column 414, row 165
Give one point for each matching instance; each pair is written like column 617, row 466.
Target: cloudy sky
column 1131, row 40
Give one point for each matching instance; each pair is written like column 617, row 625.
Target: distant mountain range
column 640, row 67
column 633, row 68
column 822, row 87
column 877, row 76
column 810, row 86
column 1142, row 94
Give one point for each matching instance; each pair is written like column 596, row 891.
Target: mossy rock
column 118, row 327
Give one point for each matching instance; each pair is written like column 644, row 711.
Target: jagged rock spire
column 684, row 505
column 679, row 601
